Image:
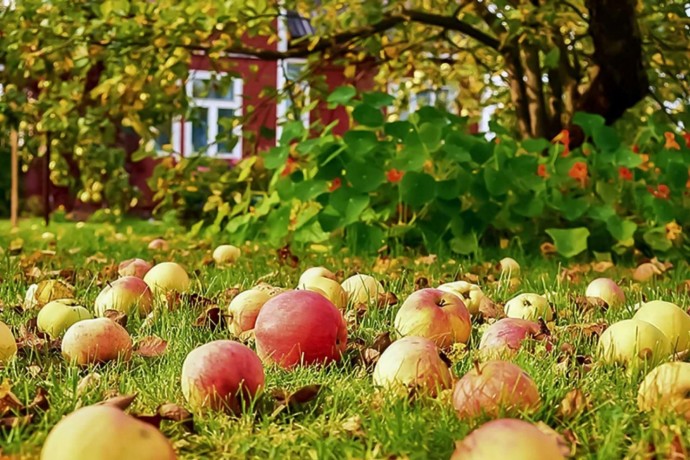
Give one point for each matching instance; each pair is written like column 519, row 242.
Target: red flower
column 671, row 142
column 624, row 173
column 579, row 172
column 563, row 138
column 662, row 191
column 394, row 176
column 686, row 136
column 290, row 166
column 635, row 148
column 335, row 185
column 541, row 171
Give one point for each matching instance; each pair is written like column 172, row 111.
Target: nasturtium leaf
column 588, row 122
column 569, row 242
column 341, row 95
column 417, row 189
column 364, row 177
column 621, row 229
column 368, row 115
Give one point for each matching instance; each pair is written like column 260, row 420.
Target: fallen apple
column 94, row 341
column 8, row 346
column 505, row 336
column 105, row 432
column 46, row 291
column 670, row 319
column 471, row 294
column 57, row 316
column 226, row 254
column 495, row 388
column 607, row 290
column 222, row 375
column 509, row 267
column 437, row 315
column 362, row 289
column 127, row 295
column 300, row 327
column 134, row 267
column 244, row 309
column 632, row 341
column 159, row 244
column 412, row 363
column 315, row 272
column 508, row 438
column 167, row 277
column 330, row 289
column 666, row 388
column 529, row 306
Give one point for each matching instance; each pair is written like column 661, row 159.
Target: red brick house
column 246, row 95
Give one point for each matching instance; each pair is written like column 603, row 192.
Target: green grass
column 350, row 418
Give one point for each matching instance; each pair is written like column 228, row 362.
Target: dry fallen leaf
column 573, row 404
column 117, row 316
column 171, row 412
column 302, row 395
column 212, row 318
column 121, row 402
column 151, row 347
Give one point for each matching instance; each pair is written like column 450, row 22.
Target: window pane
column 225, row 117
column 163, row 141
column 199, row 129
column 213, row 89
column 424, row 98
column 293, row 71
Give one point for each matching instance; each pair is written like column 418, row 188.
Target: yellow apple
column 670, row 319
column 57, row 316
column 631, row 341
column 244, row 309
column 330, row 289
column 667, row 388
column 530, row 307
column 315, row 272
column 127, row 295
column 167, row 277
column 362, row 289
column 226, row 254
column 607, row 290
column 8, row 346
column 94, row 341
column 159, row 244
column 471, row 294
column 509, row 267
column 105, row 433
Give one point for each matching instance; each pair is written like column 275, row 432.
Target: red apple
column 134, row 267
column 505, row 336
column 127, row 295
column 508, row 439
column 222, row 375
column 435, row 314
column 493, row 387
column 300, row 327
column 96, row 341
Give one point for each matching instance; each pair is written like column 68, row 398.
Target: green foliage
column 427, row 182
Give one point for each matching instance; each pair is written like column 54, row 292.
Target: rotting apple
column 57, row 316
column 222, row 375
column 631, row 342
column 667, row 388
column 167, row 277
column 471, row 294
column 226, row 254
column 244, row 309
column 670, row 319
column 327, row 287
column 300, row 327
column 508, row 438
column 96, row 340
column 127, row 295
column 412, row 363
column 362, row 289
column 134, row 267
column 529, row 306
column 437, row 315
column 607, row 290
column 505, row 336
column 103, row 432
column 495, row 388
column 8, row 345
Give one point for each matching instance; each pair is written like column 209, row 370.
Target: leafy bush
column 429, row 181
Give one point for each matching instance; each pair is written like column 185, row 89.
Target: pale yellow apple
column 631, row 341
column 362, row 289
column 57, row 316
column 412, row 363
column 670, row 319
column 8, row 346
column 159, row 244
column 244, row 309
column 105, row 433
column 471, row 294
column 509, row 267
column 127, row 295
column 530, row 307
column 666, row 388
column 330, row 289
column 94, row 341
column 315, row 272
column 607, row 290
column 226, row 254
column 167, row 277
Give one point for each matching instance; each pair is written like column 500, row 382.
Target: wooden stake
column 14, row 195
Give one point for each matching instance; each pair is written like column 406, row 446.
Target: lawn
column 349, row 418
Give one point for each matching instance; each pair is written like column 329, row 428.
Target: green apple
column 330, row 289
column 8, row 346
column 530, row 307
column 631, row 342
column 670, row 319
column 57, row 316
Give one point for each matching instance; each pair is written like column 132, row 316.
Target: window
column 216, row 103
column 442, row 97
column 293, row 92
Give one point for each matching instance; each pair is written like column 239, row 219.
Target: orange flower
column 563, row 138
column 671, row 142
column 662, row 191
column 579, row 172
column 290, row 166
column 335, row 185
column 541, row 171
column 624, row 173
column 394, row 176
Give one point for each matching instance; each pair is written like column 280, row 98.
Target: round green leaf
column 417, row 189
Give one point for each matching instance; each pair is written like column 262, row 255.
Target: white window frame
column 283, row 107
column 413, row 104
column 212, row 105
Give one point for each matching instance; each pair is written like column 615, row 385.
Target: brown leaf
column 489, row 309
column 353, row 425
column 197, row 301
column 382, row 341
column 421, row 283
column 151, row 347
column 426, row 260
column 8, row 400
column 573, row 404
column 11, row 422
column 370, row 356
column 602, row 266
column 87, row 382
column 548, row 248
column 171, row 412
column 212, row 318
column 117, row 316
column 386, row 299
column 40, row 401
column 121, row 402
column 286, row 257
column 300, row 396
